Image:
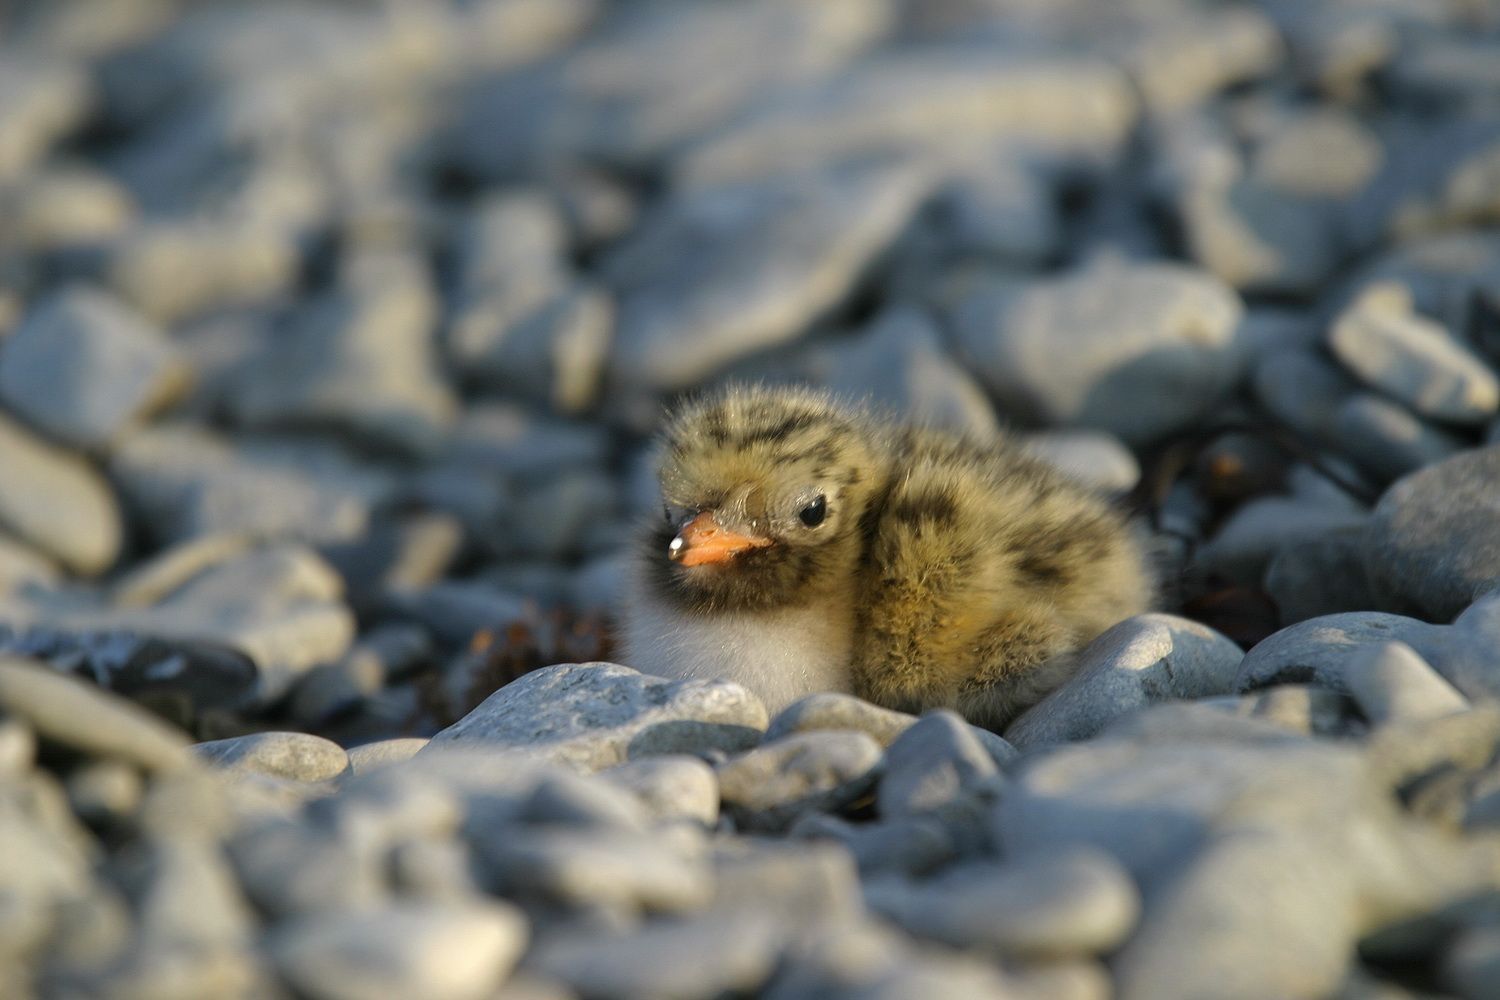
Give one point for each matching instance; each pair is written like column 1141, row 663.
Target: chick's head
column 764, row 495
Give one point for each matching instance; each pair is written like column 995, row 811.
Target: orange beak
column 702, row 542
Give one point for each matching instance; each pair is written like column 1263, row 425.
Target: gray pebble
column 771, row 785
column 1471, row 966
column 1058, row 905
column 594, row 715
column 382, row 753
column 836, row 710
column 77, row 715
column 1390, row 681
column 670, row 787
column 723, row 271
column 1434, row 539
column 1143, row 660
column 911, row 845
column 83, row 368
column 1093, row 458
column 56, row 501
column 582, row 868
column 104, row 792
column 1388, row 439
column 452, row 952
column 728, row 953
column 1129, row 330
column 931, row 765
column 1380, row 339
column 1321, row 575
column 299, row 756
column 805, row 885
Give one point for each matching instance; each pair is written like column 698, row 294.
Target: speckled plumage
column 946, row 572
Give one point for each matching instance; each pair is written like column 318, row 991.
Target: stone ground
column 332, row 337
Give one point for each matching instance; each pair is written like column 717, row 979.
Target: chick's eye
column 812, row 515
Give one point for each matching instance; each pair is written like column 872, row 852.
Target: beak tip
column 675, row 549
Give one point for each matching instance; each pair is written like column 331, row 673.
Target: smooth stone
column 937, row 975
column 729, row 953
column 1471, row 966
column 185, row 894
column 1319, row 576
column 1135, row 334
column 290, row 869
column 1390, row 680
column 670, row 787
column 1096, row 459
column 1303, row 391
column 1316, row 651
column 75, row 714
column 1388, row 439
column 1141, row 661
column 805, row 885
column 595, row 715
column 835, row 710
column 932, row 764
column 188, row 482
column 299, row 756
column 771, row 785
column 174, row 270
column 66, row 207
column 911, row 846
column 358, row 361
column 104, row 792
column 719, row 273
column 618, row 98
column 83, row 368
column 1195, row 821
column 934, row 104
column 1072, row 903
column 1380, row 339
column 1250, row 538
column 1434, row 538
column 382, row 753
column 407, row 552
column 582, row 868
column 22, row 568
column 41, row 100
column 56, row 501
column 898, row 363
column 448, row 952
column 1298, row 708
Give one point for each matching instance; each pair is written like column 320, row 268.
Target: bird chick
column 806, row 546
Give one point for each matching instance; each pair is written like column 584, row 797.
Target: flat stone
column 1141, row 661
column 44, row 100
column 1388, row 439
column 1251, row 537
column 383, row 753
column 899, row 364
column 1319, row 576
column 633, row 91
column 1129, row 330
column 84, row 369
column 911, row 846
column 1299, row 708
column 1302, row 390
column 1434, row 538
column 411, row 949
column 188, row 482
column 671, row 787
column 719, row 273
column 185, row 895
column 1096, row 459
column 804, row 885
column 77, row 715
column 836, row 710
column 729, row 953
column 299, row 756
column 1390, row 680
column 932, row 764
column 174, row 270
column 582, row 868
column 595, row 715
column 771, row 785
column 359, row 361
column 1472, row 963
column 1071, row 903
column 57, row 502
column 930, row 105
column 1381, row 340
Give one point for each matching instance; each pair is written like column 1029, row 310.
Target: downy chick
column 805, row 546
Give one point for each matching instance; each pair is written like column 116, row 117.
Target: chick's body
column 808, row 547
